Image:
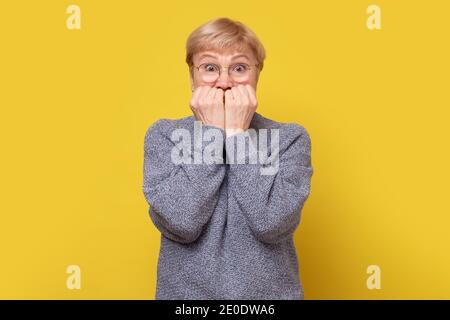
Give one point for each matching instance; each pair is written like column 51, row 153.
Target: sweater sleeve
column 181, row 196
column 272, row 203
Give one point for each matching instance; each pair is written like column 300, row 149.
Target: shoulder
column 289, row 132
column 164, row 127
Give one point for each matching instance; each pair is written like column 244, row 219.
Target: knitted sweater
column 227, row 228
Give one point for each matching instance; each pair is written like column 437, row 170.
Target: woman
column 226, row 227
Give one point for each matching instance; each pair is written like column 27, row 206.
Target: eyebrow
column 206, row 55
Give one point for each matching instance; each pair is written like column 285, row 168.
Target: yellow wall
column 75, row 105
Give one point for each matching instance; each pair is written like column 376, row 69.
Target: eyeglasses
column 210, row 72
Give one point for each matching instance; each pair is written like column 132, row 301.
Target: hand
column 240, row 105
column 208, row 106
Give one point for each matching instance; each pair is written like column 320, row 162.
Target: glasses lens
column 209, row 72
column 240, row 71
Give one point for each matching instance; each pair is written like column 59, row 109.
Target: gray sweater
column 226, row 228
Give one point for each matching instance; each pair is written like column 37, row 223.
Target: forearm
column 272, row 203
column 182, row 195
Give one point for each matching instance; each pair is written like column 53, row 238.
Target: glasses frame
column 227, row 67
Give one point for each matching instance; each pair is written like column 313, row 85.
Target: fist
column 208, row 106
column 240, row 105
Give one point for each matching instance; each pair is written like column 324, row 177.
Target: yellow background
column 75, row 105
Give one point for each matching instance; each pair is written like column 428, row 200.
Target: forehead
column 224, row 54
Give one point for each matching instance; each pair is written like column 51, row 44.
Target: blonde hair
column 224, row 33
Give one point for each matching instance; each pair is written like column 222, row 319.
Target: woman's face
column 208, row 61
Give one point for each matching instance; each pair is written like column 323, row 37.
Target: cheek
column 201, row 83
column 251, row 81
column 197, row 82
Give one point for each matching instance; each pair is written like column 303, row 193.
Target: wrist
column 233, row 131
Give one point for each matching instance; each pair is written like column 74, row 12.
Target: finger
column 210, row 95
column 204, row 94
column 195, row 96
column 228, row 98
column 218, row 98
column 236, row 95
column 244, row 94
column 252, row 94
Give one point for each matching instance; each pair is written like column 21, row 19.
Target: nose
column 224, row 81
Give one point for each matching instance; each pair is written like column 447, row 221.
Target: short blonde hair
column 224, row 33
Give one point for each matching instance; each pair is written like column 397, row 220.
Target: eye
column 240, row 68
column 210, row 67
